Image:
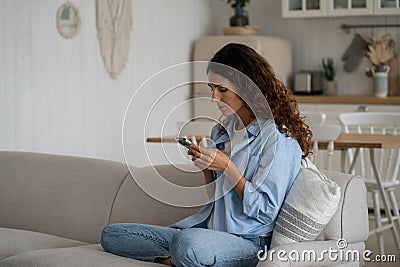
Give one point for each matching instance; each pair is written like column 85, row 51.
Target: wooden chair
column 314, row 117
column 326, row 133
column 387, row 162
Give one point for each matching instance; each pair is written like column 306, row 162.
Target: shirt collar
column 253, row 129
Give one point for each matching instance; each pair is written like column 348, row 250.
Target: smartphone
column 183, row 141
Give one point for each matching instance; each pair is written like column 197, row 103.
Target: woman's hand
column 212, row 159
column 208, row 158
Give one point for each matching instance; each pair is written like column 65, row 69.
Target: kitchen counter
column 348, row 99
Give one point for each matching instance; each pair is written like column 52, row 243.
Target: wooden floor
column 390, row 249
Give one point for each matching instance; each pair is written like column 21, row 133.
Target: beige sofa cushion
column 139, row 207
column 14, row 241
column 65, row 196
column 84, row 256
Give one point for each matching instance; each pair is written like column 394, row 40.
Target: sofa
column 53, row 209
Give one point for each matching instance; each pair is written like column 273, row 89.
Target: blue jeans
column 188, row 247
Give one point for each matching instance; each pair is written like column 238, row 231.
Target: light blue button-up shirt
column 270, row 162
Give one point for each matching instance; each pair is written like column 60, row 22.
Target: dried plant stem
column 381, row 50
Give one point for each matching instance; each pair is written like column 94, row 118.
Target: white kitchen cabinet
column 303, row 8
column 337, row 8
column 349, row 7
column 387, row 7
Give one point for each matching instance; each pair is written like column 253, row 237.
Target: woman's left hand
column 208, row 158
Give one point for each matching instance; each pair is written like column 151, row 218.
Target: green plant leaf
column 328, row 69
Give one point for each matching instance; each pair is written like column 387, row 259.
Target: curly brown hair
column 261, row 77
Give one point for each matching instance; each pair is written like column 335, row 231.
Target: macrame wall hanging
column 114, row 24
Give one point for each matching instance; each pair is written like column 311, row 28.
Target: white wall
column 314, row 39
column 55, row 95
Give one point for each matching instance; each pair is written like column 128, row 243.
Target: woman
column 254, row 158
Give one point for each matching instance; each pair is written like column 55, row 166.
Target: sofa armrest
column 313, row 253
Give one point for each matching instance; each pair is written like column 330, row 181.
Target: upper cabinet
column 349, row 7
column 335, row 8
column 387, row 7
column 303, row 8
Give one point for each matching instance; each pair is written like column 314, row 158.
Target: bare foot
column 166, row 261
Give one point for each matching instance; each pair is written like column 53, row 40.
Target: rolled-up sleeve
column 265, row 191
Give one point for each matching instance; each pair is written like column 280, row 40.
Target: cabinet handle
column 362, row 108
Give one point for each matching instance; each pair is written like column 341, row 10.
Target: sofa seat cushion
column 83, row 256
column 15, row 241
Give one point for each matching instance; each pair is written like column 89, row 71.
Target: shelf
column 347, row 27
column 346, row 99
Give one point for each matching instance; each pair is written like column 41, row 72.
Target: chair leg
column 378, row 222
column 383, row 195
column 343, row 160
column 395, row 207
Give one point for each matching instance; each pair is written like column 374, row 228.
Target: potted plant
column 329, row 74
column 380, row 52
column 240, row 18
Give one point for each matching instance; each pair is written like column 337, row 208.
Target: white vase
column 329, row 87
column 381, row 83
